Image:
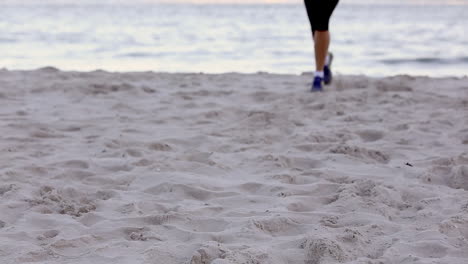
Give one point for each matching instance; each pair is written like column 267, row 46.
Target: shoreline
column 304, row 73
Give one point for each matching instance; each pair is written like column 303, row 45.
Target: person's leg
column 319, row 13
column 321, row 44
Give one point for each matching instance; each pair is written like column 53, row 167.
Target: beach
column 145, row 167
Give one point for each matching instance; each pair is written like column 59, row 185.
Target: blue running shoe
column 317, row 84
column 327, row 74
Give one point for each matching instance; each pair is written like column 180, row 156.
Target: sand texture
column 112, row 168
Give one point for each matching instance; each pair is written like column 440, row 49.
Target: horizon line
column 226, row 2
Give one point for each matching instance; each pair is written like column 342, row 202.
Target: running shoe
column 328, row 76
column 317, row 84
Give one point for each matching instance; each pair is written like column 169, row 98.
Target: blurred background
column 376, row 38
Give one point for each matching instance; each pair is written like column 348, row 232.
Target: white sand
column 192, row 168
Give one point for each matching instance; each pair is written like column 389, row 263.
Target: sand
column 102, row 167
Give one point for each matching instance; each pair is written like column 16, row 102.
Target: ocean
column 375, row 40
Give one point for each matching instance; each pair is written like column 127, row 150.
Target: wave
column 426, row 60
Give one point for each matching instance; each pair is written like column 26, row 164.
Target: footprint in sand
column 75, row 164
column 322, row 250
column 158, row 146
column 370, row 135
column 134, row 153
column 458, row 177
column 361, row 153
column 184, row 191
column 63, row 201
column 277, row 226
column 48, row 234
column 208, row 253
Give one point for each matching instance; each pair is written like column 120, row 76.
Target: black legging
column 319, row 12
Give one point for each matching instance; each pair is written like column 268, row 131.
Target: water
column 376, row 40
